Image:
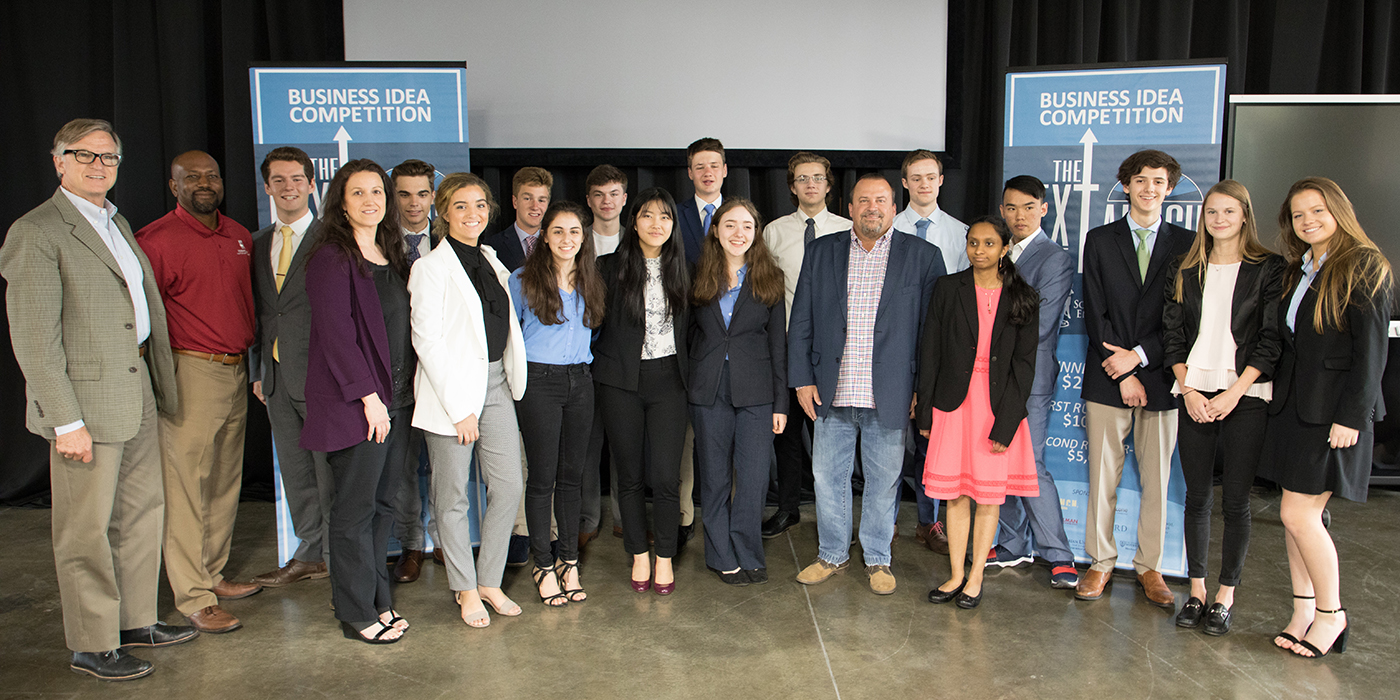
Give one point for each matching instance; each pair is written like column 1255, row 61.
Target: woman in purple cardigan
column 359, row 388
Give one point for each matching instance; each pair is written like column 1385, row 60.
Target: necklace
column 988, row 298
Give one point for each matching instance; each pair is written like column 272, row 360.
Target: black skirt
column 1298, row 457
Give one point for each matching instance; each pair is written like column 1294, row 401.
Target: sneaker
column 881, row 580
column 819, row 571
column 999, row 556
column 1063, row 575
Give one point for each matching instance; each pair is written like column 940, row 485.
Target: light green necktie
column 1143, row 252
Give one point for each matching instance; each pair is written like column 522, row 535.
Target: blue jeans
column 833, row 456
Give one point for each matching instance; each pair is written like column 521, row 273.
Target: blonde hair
column 1251, row 248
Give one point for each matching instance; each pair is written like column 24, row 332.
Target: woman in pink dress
column 976, row 365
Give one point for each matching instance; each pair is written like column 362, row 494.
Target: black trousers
column 1240, row 437
column 556, row 419
column 733, row 444
column 367, row 479
column 792, row 448
column 655, row 414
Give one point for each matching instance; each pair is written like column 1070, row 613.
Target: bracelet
column 1189, row 391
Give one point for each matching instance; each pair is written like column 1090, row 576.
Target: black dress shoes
column 115, row 665
column 1217, row 620
column 737, row 578
column 968, row 602
column 781, row 522
column 158, row 635
column 1191, row 613
column 757, row 576
column 938, row 596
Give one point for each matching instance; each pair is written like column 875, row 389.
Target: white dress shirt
column 425, row 244
column 700, row 209
column 949, row 234
column 1133, row 226
column 1017, row 249
column 783, row 236
column 298, row 233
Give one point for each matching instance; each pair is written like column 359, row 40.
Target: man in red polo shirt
column 203, row 265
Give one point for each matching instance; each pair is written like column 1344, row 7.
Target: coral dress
column 960, row 458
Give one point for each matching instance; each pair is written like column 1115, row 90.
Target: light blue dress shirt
column 1309, row 274
column 566, row 343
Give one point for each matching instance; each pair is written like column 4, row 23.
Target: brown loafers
column 233, row 590
column 1092, row 584
column 409, row 566
column 1156, row 589
column 214, row 620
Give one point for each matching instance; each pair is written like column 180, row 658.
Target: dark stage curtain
column 171, row 75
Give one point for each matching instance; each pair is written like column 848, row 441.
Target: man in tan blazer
column 89, row 333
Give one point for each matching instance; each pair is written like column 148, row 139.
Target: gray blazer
column 1050, row 269
column 73, row 327
column 286, row 315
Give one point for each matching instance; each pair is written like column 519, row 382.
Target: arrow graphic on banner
column 1085, row 187
column 343, row 138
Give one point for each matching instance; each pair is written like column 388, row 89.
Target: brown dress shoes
column 409, row 566
column 295, row 570
column 933, row 537
column 233, row 590
column 214, row 620
column 1156, row 589
column 1091, row 585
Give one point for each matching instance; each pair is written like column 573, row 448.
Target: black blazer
column 507, row 247
column 1337, row 373
column 756, row 344
column 948, row 350
column 1253, row 316
column 1120, row 308
column 286, row 314
column 617, row 349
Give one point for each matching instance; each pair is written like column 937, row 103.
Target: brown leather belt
column 224, row 359
column 141, row 350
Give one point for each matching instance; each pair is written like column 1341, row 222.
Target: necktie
column 413, row 240
column 284, row 263
column 709, row 211
column 1143, row 252
column 921, row 228
column 530, row 244
column 810, row 234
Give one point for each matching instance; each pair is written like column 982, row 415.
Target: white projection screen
column 648, row 74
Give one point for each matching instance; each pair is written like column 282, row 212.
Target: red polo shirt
column 205, row 280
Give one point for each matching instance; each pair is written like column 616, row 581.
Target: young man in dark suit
column 529, row 196
column 705, row 166
column 1126, row 386
column 1050, row 270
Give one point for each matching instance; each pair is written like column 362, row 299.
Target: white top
column 1211, row 364
column 1017, row 249
column 660, row 340
column 298, row 233
column 783, row 236
column 603, row 245
column 949, row 234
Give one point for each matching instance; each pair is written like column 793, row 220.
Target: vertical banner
column 388, row 113
column 1072, row 128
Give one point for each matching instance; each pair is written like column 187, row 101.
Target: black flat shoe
column 757, row 576
column 781, row 522
column 158, row 635
column 1217, row 620
column 115, row 665
column 1191, row 613
column 967, row 602
column 735, row 578
column 938, row 596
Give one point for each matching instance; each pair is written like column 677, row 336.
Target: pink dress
column 960, row 458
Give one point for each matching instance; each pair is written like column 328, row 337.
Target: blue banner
column 1071, row 129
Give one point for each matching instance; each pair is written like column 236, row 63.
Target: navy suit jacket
column 1122, row 309
column 755, row 343
column 507, row 247
column 688, row 221
column 1050, row 269
column 817, row 329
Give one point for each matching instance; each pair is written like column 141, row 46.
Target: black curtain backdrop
column 173, row 76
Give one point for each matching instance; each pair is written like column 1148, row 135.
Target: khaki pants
column 106, row 534
column 202, row 458
column 1154, row 438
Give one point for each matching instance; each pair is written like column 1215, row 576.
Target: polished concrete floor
column 780, row 640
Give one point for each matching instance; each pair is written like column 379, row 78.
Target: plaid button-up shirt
column 865, row 279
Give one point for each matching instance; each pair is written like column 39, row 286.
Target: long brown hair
column 539, row 277
column 765, row 278
column 1354, row 264
column 1199, row 254
column 335, row 225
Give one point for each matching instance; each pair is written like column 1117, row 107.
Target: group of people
column 696, row 344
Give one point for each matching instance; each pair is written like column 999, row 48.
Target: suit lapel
column 967, row 295
column 1127, row 245
column 308, row 241
column 894, row 263
column 1161, row 250
column 999, row 321
column 1243, row 283
column 86, row 234
column 843, row 272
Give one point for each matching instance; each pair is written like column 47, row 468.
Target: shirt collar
column 88, row 209
column 1025, row 243
column 1133, row 225
column 700, row 204
column 819, row 217
column 521, row 234
column 426, row 230
column 740, row 275
column 883, row 240
column 300, row 225
column 1307, row 262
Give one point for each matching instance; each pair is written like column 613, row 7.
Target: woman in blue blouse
column 558, row 297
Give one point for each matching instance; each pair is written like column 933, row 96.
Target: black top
column 495, row 302
column 1254, row 315
column 403, row 362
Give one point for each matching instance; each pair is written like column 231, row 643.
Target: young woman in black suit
column 639, row 367
column 1220, row 338
column 976, row 367
column 738, row 386
column 1333, row 315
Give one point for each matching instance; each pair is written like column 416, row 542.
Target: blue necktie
column 921, row 227
column 709, row 211
column 413, row 240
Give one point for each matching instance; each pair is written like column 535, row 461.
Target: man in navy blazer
column 852, row 357
column 1127, row 389
column 705, row 166
column 1050, row 269
column 529, row 196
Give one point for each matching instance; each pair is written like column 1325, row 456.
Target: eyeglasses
column 804, row 179
column 110, row 160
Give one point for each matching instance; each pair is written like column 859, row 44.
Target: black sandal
column 378, row 638
column 1291, row 639
column 1339, row 644
column 558, row 600
column 561, row 572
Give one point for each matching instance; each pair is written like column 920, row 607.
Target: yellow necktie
column 284, row 263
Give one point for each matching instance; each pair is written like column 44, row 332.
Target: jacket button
column 994, row 359
column 131, row 369
column 129, row 326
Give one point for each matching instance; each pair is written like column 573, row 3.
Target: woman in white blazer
column 471, row 369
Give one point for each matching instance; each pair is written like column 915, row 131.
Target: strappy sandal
column 378, row 638
column 1286, row 636
column 558, row 600
column 474, row 617
column 394, row 619
column 1339, row 644
column 561, row 572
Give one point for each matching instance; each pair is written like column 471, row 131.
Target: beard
column 871, row 227
column 205, row 205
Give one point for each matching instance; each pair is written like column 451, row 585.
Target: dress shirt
column 949, row 234
column 700, row 209
column 298, row 232
column 604, row 245
column 731, row 295
column 425, row 244
column 566, row 343
column 1133, row 226
column 783, row 236
column 1309, row 274
column 205, row 277
column 1017, row 249
column 865, row 279
column 520, row 234
column 495, row 312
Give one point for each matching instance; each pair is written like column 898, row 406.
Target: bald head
column 197, row 185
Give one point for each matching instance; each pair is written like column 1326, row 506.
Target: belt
column 141, row 350
column 224, row 359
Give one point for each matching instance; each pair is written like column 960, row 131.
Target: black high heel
column 1291, row 639
column 1339, row 644
column 561, row 572
column 558, row 600
column 352, row 633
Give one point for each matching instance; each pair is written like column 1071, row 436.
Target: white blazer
column 449, row 336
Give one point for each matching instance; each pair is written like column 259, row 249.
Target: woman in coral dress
column 976, row 365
